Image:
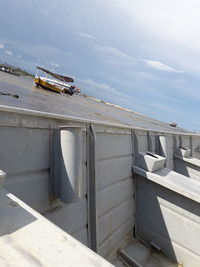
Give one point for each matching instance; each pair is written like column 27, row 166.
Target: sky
column 143, row 55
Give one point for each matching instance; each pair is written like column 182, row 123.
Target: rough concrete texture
column 114, row 183
column 189, row 167
column 167, row 208
column 28, row 239
column 137, row 254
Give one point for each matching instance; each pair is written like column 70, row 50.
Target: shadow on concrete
column 13, row 216
column 151, row 226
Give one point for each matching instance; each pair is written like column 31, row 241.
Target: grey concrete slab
column 173, row 181
column 137, row 254
column 33, row 98
column 167, row 215
column 29, row 239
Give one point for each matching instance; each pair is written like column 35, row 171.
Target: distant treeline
column 5, row 67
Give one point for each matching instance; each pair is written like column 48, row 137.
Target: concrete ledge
column 173, row 181
column 193, row 161
column 29, row 112
column 28, row 239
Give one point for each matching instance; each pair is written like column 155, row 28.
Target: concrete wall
column 141, row 141
column 151, row 141
column 25, row 155
column 114, row 190
column 196, row 147
column 192, row 142
column 25, row 148
column 170, row 151
column 168, row 219
column 73, row 217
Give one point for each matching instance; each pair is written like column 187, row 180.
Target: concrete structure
column 77, row 172
column 174, row 225
column 28, row 239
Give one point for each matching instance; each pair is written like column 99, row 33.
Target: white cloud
column 174, row 22
column 19, row 56
column 160, row 66
column 99, row 86
column 167, row 31
column 152, row 63
column 85, row 35
column 1, row 46
column 170, row 19
column 112, row 51
column 8, row 52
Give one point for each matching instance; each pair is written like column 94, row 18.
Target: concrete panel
column 114, row 186
column 168, row 220
column 26, row 121
column 140, row 132
column 170, row 164
column 82, row 236
column 70, row 217
column 185, row 141
column 113, row 195
column 23, row 149
column 142, row 140
column 151, row 138
column 113, row 170
column 166, row 149
column 177, row 141
column 112, row 145
column 142, row 143
column 114, row 219
column 170, row 141
column 196, row 147
column 170, row 153
column 33, row 188
column 115, row 241
column 111, row 130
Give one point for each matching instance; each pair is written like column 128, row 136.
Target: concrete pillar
column 71, row 163
column 163, row 146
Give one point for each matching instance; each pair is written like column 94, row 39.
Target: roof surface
column 78, row 106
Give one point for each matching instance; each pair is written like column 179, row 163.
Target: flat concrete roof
column 78, row 106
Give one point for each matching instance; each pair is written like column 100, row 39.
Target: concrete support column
column 70, row 163
column 163, row 145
